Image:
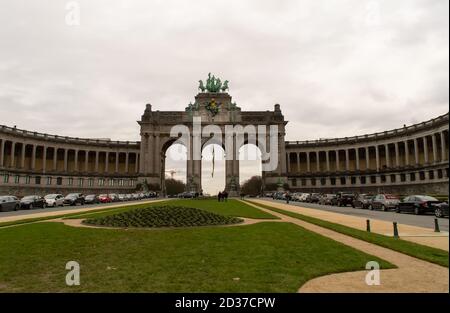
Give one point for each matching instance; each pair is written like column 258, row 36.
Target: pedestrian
column 219, row 196
column 288, row 197
column 225, row 195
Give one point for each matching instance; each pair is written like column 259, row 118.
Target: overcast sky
column 337, row 67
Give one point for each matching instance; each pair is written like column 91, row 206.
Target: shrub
column 163, row 216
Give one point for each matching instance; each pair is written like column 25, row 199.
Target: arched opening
column 174, row 169
column 250, row 166
column 212, row 169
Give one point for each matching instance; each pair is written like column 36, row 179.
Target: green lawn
column 419, row 251
column 229, row 208
column 266, row 257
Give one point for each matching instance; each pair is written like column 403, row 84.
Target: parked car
column 313, row 198
column 441, row 209
column 74, row 199
column 417, row 204
column 91, row 199
column 268, row 194
column 304, row 197
column 9, row 203
column 31, row 202
column 104, row 198
column 327, row 199
column 54, row 199
column 343, row 199
column 384, row 202
column 362, row 201
column 114, row 197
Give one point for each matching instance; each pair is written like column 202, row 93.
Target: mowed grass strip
column 430, row 254
column 264, row 257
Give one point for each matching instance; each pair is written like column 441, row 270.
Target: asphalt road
column 67, row 207
column 426, row 221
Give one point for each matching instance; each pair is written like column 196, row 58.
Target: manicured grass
column 230, row 208
column 163, row 216
column 264, row 257
column 419, row 251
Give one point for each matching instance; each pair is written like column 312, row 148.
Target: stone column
column 298, row 162
column 377, row 157
column 406, row 153
column 367, row 158
column 416, row 151
column 136, row 164
column 150, row 163
column 55, row 158
column 435, row 154
column 86, row 161
column 13, row 150
column 386, row 152
column 116, row 170
column 97, row 154
column 66, row 152
column 22, row 163
column 126, row 162
column 347, row 160
column 33, row 158
column 288, row 162
column 76, row 160
column 308, row 163
column 443, row 147
column 425, row 150
column 106, row 161
column 338, row 168
column 44, row 159
column 2, row 152
column 327, row 158
column 317, row 162
column 357, row 158
column 397, row 155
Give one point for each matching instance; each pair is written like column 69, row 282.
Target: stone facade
column 411, row 159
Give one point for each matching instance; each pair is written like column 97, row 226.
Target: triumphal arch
column 214, row 109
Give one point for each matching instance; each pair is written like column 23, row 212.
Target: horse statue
column 225, row 86
column 201, row 87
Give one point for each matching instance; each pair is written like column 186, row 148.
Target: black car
column 362, row 201
column 343, row 199
column 417, row 204
column 441, row 209
column 91, row 199
column 31, row 202
column 313, row 198
column 9, row 203
column 74, row 199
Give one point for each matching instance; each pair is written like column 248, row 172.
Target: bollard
column 368, row 226
column 395, row 230
column 436, row 226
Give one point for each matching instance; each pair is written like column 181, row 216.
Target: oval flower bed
column 163, row 216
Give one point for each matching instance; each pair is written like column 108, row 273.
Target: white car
column 54, row 200
column 304, row 196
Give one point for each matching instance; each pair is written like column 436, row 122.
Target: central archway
column 213, row 169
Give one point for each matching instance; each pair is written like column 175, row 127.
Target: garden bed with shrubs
column 163, row 216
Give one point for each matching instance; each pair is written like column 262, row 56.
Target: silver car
column 54, row 200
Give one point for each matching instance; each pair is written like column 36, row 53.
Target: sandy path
column 412, row 275
column 421, row 235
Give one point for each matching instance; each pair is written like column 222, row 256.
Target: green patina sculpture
column 213, row 84
column 192, row 107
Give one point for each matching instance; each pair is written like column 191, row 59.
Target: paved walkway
column 36, row 214
column 412, row 275
column 424, row 236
